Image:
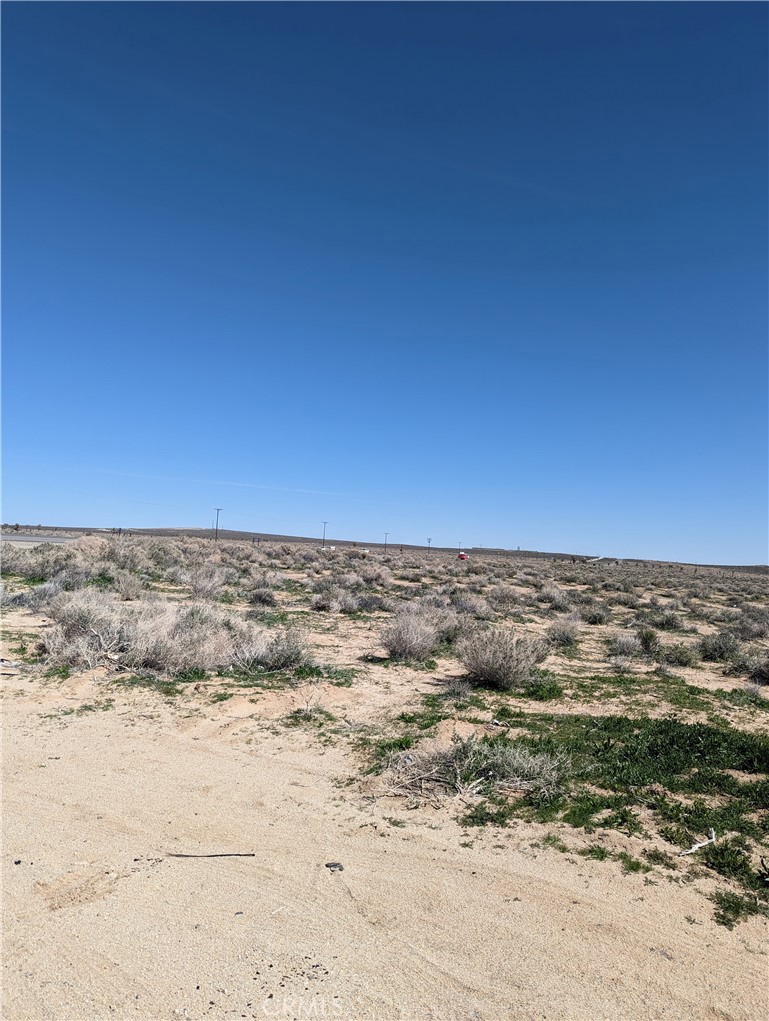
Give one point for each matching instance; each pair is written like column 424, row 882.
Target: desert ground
column 276, row 781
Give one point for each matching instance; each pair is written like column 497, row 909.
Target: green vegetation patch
column 163, row 687
column 659, row 685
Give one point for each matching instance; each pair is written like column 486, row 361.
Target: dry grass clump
column 35, row 598
column 418, row 630
column 207, row 581
column 473, row 605
column 595, row 613
column 564, row 633
column 474, row 767
column 281, row 649
column 626, row 645
column 553, row 594
column 336, row 600
column 504, row 598
column 500, row 658
column 752, row 623
column 376, row 574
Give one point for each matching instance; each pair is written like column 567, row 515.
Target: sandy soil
column 101, row 922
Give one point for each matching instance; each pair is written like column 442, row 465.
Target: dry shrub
column 753, row 623
column 261, row 595
column 503, row 598
column 127, row 585
column 376, row 574
column 626, row 646
column 281, row 649
column 418, row 630
column 469, row 766
column 44, row 561
column 500, row 658
column 622, row 664
column 595, row 613
column 473, row 605
column 36, row 598
column 564, row 633
column 92, row 628
column 206, row 582
column 336, row 600
column 555, row 595
column 87, row 629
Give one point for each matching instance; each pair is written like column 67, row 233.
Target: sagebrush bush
column 676, row 655
column 207, row 581
column 622, row 664
column 753, row 623
column 626, row 645
column 720, row 647
column 43, row 562
column 87, row 630
column 501, row 659
column 418, row 630
column 376, row 574
column 752, row 662
column 35, row 598
column 553, row 594
column 281, row 649
column 92, row 628
column 503, row 598
column 336, row 600
column 595, row 613
column 564, row 633
column 260, row 595
column 665, row 619
column 127, row 585
column 473, row 605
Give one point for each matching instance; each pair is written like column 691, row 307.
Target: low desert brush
column 564, row 633
column 470, row 766
column 627, row 645
column 500, row 658
column 418, row 630
column 720, row 647
column 91, row 627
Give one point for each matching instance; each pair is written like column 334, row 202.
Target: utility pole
column 429, row 541
column 386, row 534
column 324, row 534
column 216, row 526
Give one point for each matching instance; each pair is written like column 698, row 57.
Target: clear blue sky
column 489, row 273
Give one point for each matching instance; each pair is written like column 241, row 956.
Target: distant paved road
column 24, row 537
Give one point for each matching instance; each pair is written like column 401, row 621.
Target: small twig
column 225, row 854
column 703, row 843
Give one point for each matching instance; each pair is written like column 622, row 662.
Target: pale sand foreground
column 99, row 923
